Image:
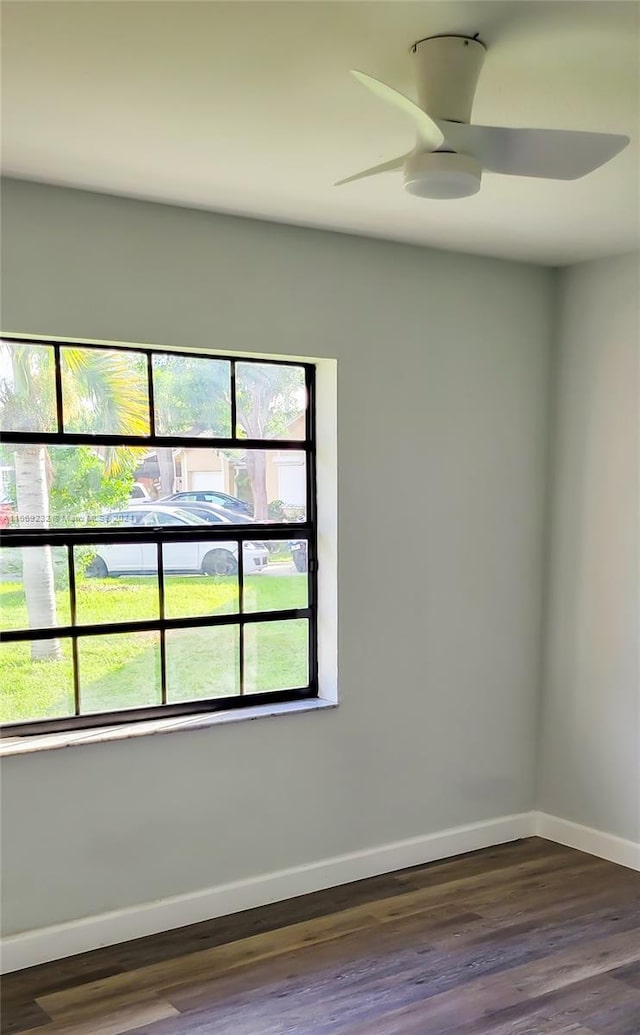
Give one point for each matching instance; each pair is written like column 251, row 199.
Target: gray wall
column 442, row 389
column 590, row 745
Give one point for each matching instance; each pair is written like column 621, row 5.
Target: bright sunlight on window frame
column 193, row 627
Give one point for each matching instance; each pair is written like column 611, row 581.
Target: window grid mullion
column 241, row 613
column 58, row 384
column 234, row 401
column 73, row 608
column 161, row 607
column 78, row 438
column 90, row 535
column 150, row 390
column 152, row 625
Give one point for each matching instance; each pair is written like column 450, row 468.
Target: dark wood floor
column 526, row 939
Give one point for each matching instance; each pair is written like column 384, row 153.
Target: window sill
column 27, row 745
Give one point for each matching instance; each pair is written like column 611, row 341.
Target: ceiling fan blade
column 395, row 163
column 554, row 154
column 429, row 132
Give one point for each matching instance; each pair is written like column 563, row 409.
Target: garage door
column 207, row 480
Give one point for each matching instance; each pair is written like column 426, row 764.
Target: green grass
column 122, row 671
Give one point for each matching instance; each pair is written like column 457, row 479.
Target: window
column 124, row 594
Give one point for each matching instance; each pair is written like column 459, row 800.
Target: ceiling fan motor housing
column 447, row 70
column 442, row 174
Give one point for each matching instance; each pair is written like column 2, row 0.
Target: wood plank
column 113, row 1022
column 491, row 860
column 573, row 1005
column 548, row 929
column 19, row 1016
column 630, row 974
column 210, row 962
column 617, row 1014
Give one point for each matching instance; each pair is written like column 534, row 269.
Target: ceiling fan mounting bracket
column 447, row 36
column 447, row 70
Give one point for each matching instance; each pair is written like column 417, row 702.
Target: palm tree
column 268, row 397
column 99, row 393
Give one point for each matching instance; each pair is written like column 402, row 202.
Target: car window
column 158, row 517
column 166, row 519
column 209, row 516
column 177, row 517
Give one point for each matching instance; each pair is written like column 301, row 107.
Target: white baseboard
column 61, row 940
column 587, row 839
column 30, row 948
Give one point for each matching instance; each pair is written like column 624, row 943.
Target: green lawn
column 122, row 671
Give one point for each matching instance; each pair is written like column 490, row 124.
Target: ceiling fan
column 450, row 154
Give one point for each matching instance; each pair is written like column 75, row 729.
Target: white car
column 184, row 558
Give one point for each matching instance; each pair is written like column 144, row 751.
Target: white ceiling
column 248, row 108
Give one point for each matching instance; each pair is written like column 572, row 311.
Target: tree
column 100, row 391
column 192, row 395
column 167, row 469
column 268, row 397
column 82, row 482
